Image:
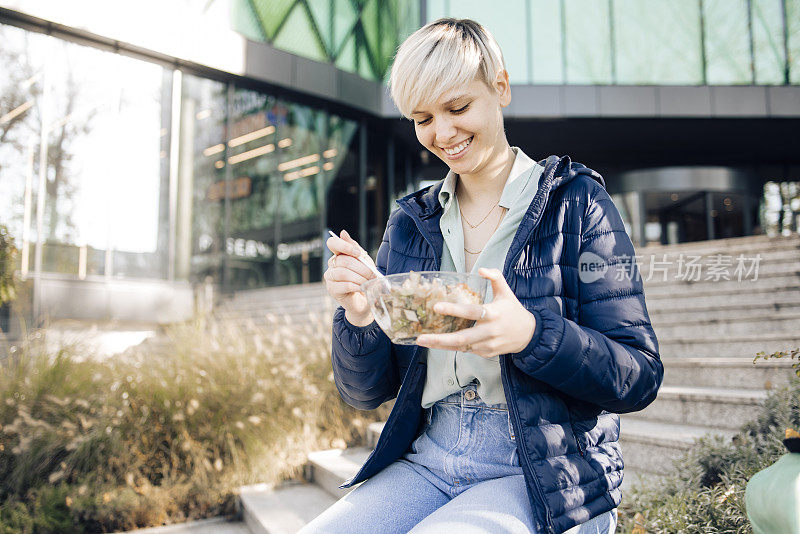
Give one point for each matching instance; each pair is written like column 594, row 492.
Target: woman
column 511, row 425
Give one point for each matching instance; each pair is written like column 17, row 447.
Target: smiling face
column 464, row 128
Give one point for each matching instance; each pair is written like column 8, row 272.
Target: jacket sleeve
column 364, row 367
column 609, row 357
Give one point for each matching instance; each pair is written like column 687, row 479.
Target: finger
column 467, row 311
column 499, row 285
column 337, row 245
column 340, row 289
column 454, row 340
column 346, row 237
column 341, row 274
column 362, row 253
column 343, row 261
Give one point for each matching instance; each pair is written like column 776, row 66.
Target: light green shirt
column 449, row 371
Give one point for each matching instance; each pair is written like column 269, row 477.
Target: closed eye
column 456, row 111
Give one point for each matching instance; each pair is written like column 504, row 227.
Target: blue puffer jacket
column 593, row 353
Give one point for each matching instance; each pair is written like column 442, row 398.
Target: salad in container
column 402, row 304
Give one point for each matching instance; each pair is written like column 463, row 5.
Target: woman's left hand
column 505, row 328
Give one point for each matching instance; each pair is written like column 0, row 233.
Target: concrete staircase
column 260, row 307
column 709, row 332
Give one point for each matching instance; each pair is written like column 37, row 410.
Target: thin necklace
column 490, row 236
column 476, row 225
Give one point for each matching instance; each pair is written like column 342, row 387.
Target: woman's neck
column 489, row 183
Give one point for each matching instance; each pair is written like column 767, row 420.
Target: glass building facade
column 83, row 157
column 118, row 166
column 256, row 171
column 120, row 169
column 595, row 42
column 359, row 36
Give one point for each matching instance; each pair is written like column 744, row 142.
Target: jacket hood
column 558, row 171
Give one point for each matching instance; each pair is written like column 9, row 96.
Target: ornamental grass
column 167, row 431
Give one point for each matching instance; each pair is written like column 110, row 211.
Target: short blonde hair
column 440, row 56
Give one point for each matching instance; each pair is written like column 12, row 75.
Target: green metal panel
column 507, row 25
column 545, row 25
column 298, row 34
column 767, row 41
column 346, row 59
column 657, row 42
column 323, row 29
column 553, row 41
column 321, row 11
column 793, row 38
column 727, row 42
column 588, row 43
column 271, row 14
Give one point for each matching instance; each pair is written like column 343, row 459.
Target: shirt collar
column 511, row 190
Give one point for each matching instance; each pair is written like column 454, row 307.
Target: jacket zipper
column 512, row 405
column 521, row 444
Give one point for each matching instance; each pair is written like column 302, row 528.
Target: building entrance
column 679, row 217
column 678, row 205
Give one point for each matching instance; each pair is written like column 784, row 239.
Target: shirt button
column 450, row 382
column 470, row 394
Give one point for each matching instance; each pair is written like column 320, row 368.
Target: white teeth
column 459, row 148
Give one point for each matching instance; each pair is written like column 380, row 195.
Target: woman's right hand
column 344, row 276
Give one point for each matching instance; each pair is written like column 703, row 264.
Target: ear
column 502, row 87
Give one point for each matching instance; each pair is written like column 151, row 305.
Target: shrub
column 705, row 493
column 168, row 431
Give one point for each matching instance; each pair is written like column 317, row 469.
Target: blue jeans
column 462, row 474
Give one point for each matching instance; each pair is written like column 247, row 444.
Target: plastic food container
column 402, row 304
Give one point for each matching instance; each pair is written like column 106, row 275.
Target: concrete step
column 768, row 281
column 266, row 320
column 755, row 324
column 632, row 479
column 745, row 245
column 766, row 252
column 731, row 310
column 663, row 269
column 311, row 302
column 277, row 293
column 282, row 509
column 374, row 432
column 330, row 468
column 728, row 347
column 704, row 299
column 651, row 447
column 264, row 315
column 217, row 525
column 723, row 408
column 738, row 373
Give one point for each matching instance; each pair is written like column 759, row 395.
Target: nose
column 445, row 131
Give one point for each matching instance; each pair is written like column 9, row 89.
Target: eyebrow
column 454, row 99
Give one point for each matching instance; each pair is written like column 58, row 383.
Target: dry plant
column 168, row 430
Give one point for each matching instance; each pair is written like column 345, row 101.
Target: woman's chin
column 461, row 165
